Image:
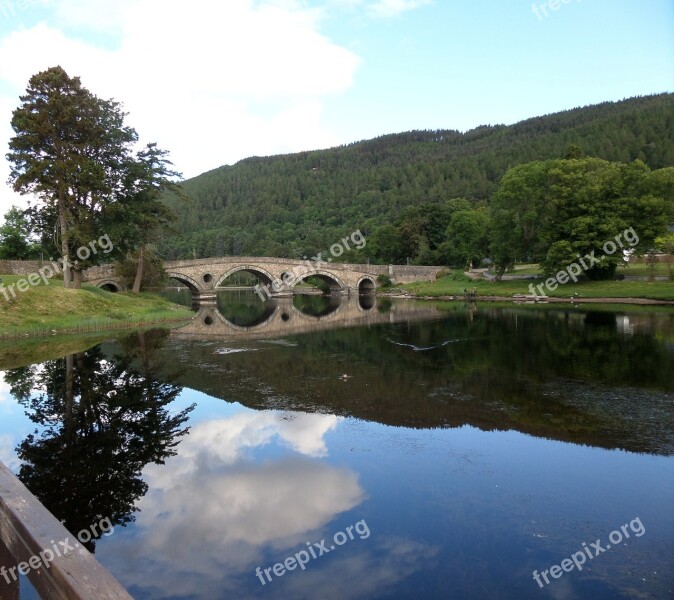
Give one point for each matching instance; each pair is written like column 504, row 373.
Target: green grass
column 633, row 270
column 455, row 284
column 642, row 270
column 530, row 269
column 51, row 309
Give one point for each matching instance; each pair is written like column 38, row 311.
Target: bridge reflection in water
column 247, row 317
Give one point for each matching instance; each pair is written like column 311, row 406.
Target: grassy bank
column 639, row 269
column 454, row 285
column 51, row 309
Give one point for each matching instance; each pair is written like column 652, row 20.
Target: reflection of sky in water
column 14, row 425
column 452, row 512
column 248, row 489
column 456, row 509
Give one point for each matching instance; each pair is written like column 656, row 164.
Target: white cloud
column 97, row 15
column 212, row 82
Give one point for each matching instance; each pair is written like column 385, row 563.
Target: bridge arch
column 110, row 285
column 194, row 287
column 366, row 285
column 265, row 276
column 335, row 283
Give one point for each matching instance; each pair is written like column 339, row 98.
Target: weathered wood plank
column 27, row 528
column 9, row 589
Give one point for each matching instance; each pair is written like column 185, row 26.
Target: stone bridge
column 279, row 276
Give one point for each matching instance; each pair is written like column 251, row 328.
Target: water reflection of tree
column 101, row 421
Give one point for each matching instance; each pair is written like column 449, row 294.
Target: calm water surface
column 466, row 447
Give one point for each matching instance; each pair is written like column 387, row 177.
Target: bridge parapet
column 203, row 276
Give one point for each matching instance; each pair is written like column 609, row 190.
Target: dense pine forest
column 299, row 204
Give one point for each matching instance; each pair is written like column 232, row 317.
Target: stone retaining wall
column 26, row 267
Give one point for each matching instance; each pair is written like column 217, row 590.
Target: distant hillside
column 299, row 204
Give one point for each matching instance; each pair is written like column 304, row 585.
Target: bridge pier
column 204, row 298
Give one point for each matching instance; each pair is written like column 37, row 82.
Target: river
column 317, row 448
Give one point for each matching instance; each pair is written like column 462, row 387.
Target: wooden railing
column 27, row 529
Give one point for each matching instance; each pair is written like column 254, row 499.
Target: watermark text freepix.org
column 62, row 548
column 315, row 262
column 574, row 270
column 313, row 551
column 10, row 8
column 541, row 10
column 578, row 559
column 44, row 274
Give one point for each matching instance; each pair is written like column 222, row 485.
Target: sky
column 216, row 81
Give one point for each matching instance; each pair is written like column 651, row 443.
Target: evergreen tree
column 68, row 151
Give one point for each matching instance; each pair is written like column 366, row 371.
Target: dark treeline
column 300, row 204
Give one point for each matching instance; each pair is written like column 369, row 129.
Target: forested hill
column 299, row 204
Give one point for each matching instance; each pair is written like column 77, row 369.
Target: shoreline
column 529, row 300
column 19, row 335
column 49, row 311
column 168, row 320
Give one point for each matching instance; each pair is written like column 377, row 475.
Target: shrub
column 384, row 281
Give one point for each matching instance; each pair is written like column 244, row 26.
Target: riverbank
column 52, row 309
column 621, row 292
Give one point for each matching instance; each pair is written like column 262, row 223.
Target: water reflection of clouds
column 221, row 442
column 211, row 510
column 8, row 407
column 269, row 503
column 7, row 401
column 7, row 454
column 370, row 573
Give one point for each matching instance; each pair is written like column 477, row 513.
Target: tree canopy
column 300, row 204
column 73, row 153
column 554, row 212
column 15, row 234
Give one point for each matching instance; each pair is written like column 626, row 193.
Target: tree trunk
column 139, row 270
column 77, row 278
column 143, row 350
column 63, row 226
